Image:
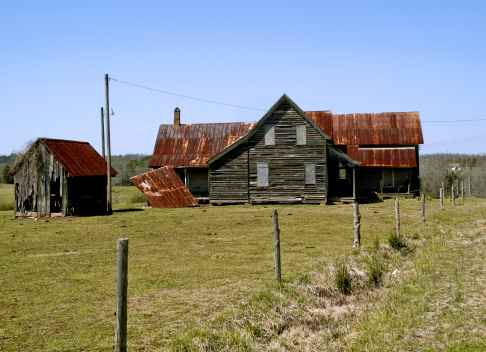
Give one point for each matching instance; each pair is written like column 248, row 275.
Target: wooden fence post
column 357, row 226
column 462, row 189
column 397, row 216
column 441, row 198
column 121, row 295
column 276, row 246
column 453, row 195
column 423, row 207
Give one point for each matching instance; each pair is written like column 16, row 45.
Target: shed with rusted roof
column 60, row 177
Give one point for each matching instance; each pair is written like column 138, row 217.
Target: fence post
column 423, row 207
column 462, row 189
column 441, row 198
column 453, row 195
column 357, row 226
column 276, row 246
column 121, row 295
column 397, row 216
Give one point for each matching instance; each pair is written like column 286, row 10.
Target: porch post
column 354, row 182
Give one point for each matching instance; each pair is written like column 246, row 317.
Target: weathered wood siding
column 286, row 160
column 229, row 177
column 35, row 183
column 43, row 187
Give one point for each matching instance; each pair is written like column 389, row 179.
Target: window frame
column 310, row 173
column 269, row 134
column 262, row 175
column 301, row 134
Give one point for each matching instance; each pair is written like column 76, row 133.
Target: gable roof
column 283, row 99
column 194, row 144
column 78, row 158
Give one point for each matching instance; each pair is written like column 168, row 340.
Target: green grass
column 199, row 278
column 6, row 197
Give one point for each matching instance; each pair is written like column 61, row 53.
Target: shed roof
column 163, row 188
column 384, row 157
column 194, row 144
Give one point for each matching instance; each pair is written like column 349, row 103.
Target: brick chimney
column 177, row 117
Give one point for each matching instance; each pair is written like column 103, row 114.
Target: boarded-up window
column 269, row 134
column 310, row 174
column 301, row 135
column 262, row 175
column 342, row 174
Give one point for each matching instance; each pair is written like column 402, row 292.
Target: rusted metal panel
column 194, row 144
column 78, row 158
column 163, row 188
column 391, row 128
column 384, row 157
column 323, row 119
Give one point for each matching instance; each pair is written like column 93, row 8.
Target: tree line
column 437, row 170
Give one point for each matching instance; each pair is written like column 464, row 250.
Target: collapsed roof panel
column 163, row 188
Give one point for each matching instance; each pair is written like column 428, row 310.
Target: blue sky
column 345, row 56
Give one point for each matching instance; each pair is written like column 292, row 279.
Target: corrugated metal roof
column 383, row 157
column 78, row 158
column 163, row 188
column 323, row 119
column 194, row 144
column 388, row 128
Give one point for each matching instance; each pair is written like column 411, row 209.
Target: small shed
column 60, row 177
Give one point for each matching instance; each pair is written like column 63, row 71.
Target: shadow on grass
column 127, row 210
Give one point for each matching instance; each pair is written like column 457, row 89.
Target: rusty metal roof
column 194, row 144
column 384, row 157
column 163, row 188
column 388, row 128
column 323, row 119
column 78, row 158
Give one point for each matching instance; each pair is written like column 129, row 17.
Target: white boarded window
column 301, row 135
column 262, row 175
column 310, row 173
column 269, row 134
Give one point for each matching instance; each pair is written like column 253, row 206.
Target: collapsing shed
column 60, row 177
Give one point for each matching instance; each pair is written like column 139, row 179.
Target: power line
column 454, row 141
column 185, row 96
column 442, row 121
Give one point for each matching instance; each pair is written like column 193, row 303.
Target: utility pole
column 108, row 196
column 102, row 134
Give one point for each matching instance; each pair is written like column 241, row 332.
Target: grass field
column 202, row 278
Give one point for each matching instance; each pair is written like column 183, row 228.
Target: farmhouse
column 60, row 177
column 292, row 156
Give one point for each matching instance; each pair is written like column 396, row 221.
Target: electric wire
column 454, row 141
column 184, row 96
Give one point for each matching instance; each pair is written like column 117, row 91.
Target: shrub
column 396, row 242
column 343, row 278
column 375, row 271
